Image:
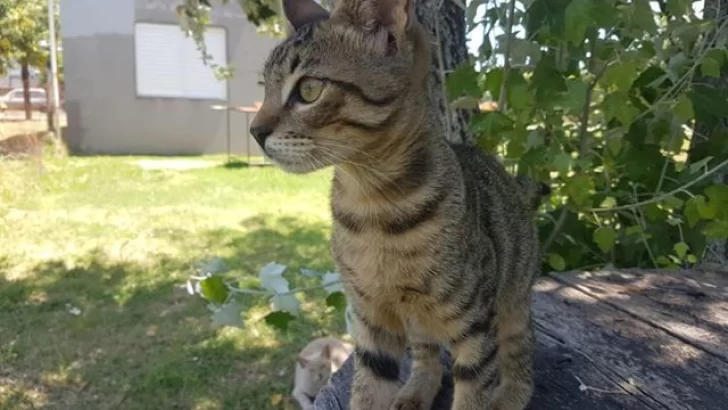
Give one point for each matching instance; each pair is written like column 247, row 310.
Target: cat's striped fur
column 434, row 242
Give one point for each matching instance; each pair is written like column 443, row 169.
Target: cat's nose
column 261, row 132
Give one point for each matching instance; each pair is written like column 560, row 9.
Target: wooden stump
column 615, row 340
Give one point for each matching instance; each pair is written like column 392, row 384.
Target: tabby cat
column 435, row 243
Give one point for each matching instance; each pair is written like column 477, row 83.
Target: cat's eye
column 310, row 89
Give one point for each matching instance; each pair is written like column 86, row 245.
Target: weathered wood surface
column 616, row 340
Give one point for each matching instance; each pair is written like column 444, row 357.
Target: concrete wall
column 106, row 116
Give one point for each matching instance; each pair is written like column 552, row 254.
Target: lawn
column 115, row 241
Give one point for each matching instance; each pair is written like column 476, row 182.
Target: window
column 168, row 63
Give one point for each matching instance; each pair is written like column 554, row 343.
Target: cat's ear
column 326, row 352
column 395, row 15
column 302, row 12
column 303, row 361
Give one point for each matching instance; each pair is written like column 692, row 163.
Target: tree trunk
column 711, row 138
column 49, row 111
column 25, row 75
column 446, row 23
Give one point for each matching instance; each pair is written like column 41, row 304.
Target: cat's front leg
column 425, row 379
column 377, row 358
column 475, row 367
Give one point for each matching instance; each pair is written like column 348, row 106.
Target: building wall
column 104, row 113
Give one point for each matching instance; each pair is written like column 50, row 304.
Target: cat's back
column 487, row 183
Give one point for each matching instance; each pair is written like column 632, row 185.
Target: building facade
column 135, row 84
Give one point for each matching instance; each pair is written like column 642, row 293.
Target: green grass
column 117, row 241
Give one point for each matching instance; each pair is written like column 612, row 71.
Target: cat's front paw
column 409, row 403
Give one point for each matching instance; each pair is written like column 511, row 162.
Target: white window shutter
column 168, row 63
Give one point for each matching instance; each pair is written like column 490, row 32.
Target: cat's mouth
column 296, row 156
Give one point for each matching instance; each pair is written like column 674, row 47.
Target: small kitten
column 315, row 364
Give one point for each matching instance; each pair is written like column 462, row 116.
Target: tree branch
column 502, row 100
column 665, row 195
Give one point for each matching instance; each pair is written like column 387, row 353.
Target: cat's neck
column 391, row 173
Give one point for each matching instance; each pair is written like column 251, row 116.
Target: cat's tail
column 534, row 191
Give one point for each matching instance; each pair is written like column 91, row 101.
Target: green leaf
column 673, row 202
column 681, row 249
column 684, row 109
column 214, row 289
column 699, row 165
column 522, row 50
column 716, row 229
column 678, row 7
column 280, row 320
column 492, row 123
column 691, row 212
column 709, row 99
column 662, row 260
column 557, row 262
column 718, row 196
column 642, row 17
column 608, row 203
column 614, row 140
column 604, row 14
column 228, row 315
column 710, row 67
column 337, row 300
column 463, row 81
column 634, row 230
column 548, row 79
column 620, row 74
column 332, row 282
column 577, row 20
column 287, row 302
column 575, row 98
column 579, row 189
column 561, row 162
column 706, row 210
column 271, row 278
column 615, row 105
column 519, row 97
column 485, row 51
column 535, row 139
column 493, row 80
column 604, row 237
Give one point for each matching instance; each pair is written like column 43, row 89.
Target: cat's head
column 342, row 84
column 317, row 367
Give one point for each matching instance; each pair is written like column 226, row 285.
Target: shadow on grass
column 235, row 164
column 99, row 333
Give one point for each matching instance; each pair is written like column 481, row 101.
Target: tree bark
column 711, row 138
column 445, row 21
column 25, row 75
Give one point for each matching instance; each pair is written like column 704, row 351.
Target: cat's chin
column 296, row 167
